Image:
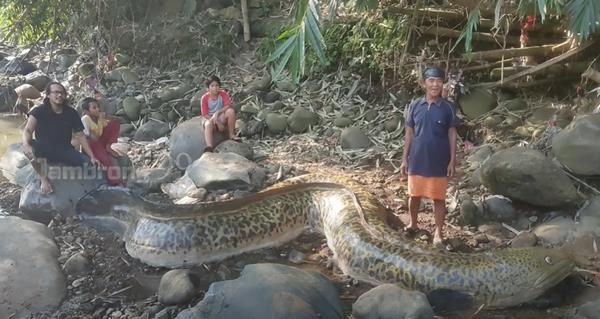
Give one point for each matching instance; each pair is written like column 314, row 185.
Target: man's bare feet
column 45, row 186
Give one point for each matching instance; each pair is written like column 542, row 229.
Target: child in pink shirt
column 215, row 106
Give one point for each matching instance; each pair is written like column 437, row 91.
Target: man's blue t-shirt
column 429, row 153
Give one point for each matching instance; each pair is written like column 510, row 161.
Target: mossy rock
column 276, row 123
column 86, row 69
column 517, row 104
column 122, row 59
column 342, row 122
column 477, row 102
column 392, row 124
column 132, row 108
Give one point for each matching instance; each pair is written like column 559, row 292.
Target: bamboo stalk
column 517, row 52
column 477, row 36
column 246, row 20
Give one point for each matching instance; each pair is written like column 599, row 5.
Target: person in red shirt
column 215, row 106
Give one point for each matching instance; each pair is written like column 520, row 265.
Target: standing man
column 54, row 123
column 429, row 156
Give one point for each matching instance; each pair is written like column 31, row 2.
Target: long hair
column 48, row 90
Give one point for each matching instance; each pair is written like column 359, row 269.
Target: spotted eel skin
column 351, row 219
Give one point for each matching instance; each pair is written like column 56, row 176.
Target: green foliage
column 290, row 52
column 467, row 32
column 24, row 21
column 369, row 45
column 583, row 16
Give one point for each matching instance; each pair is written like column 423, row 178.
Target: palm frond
column 291, row 52
column 467, row 32
column 584, row 17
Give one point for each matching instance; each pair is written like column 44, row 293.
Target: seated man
column 54, row 123
column 215, row 106
column 102, row 131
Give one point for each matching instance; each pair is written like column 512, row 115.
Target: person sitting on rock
column 215, row 106
column 101, row 131
column 54, row 123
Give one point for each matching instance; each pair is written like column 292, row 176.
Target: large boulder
column 527, row 175
column 30, row 276
column 187, row 142
column 269, row 291
column 225, row 171
column 577, row 145
column 151, row 130
column 69, row 185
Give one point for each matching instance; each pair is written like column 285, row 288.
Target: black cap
column 433, row 72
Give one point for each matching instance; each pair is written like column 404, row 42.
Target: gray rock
column 18, row 66
column 15, row 166
column 182, row 187
column 276, row 123
column 242, row 149
column 195, row 102
column 285, row 85
column 260, row 84
column 577, row 145
column 38, row 79
column 588, row 310
column 477, row 102
column 225, row 171
column 69, row 185
column 31, row 278
column 354, row 138
column 556, row 231
column 269, row 291
column 479, row 155
column 342, row 122
column 176, row 287
column 589, row 217
column 524, row 239
column 514, row 104
column 110, row 105
column 151, row 179
column 469, row 212
column 389, row 301
column 392, row 124
column 77, row 264
column 250, row 108
column 132, row 108
column 8, row 98
column 527, row 175
column 126, row 129
column 151, row 130
column 167, row 313
column 499, row 208
column 173, row 92
column 187, row 142
column 271, row 97
column 301, row 119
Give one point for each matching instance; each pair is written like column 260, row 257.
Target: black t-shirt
column 56, row 128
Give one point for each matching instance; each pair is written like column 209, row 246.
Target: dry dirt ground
column 120, row 287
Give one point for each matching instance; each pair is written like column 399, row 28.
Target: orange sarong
column 430, row 187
